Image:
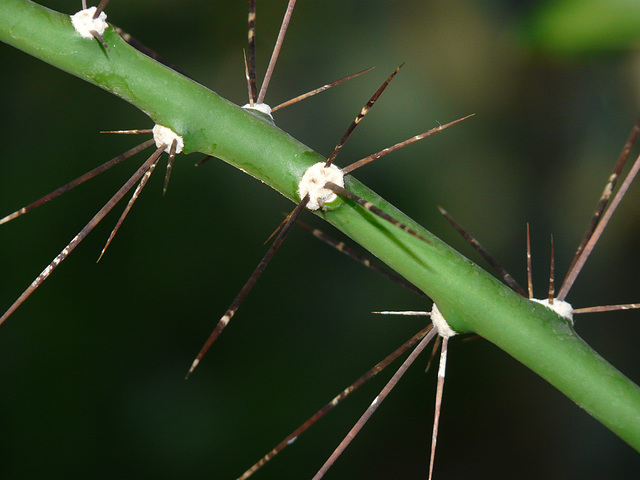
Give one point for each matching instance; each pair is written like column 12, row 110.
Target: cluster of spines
column 141, row 176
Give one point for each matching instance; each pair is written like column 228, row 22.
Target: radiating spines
column 581, row 257
column 75, row 241
column 134, row 197
column 165, row 140
column 276, row 50
column 336, row 400
column 91, row 22
column 81, row 179
column 604, row 198
column 256, row 99
column 553, row 302
column 375, row 404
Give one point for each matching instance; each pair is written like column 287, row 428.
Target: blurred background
column 92, row 366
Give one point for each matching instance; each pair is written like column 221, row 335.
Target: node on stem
column 314, row 182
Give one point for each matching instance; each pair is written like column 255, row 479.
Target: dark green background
column 92, row 366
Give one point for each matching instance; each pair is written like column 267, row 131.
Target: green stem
column 470, row 299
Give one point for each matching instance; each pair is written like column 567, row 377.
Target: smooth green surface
column 471, row 300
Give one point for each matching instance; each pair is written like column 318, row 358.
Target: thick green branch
column 470, row 299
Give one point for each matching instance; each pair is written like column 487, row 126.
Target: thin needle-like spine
column 204, row 160
column 606, row 308
column 509, row 280
column 250, row 62
column 132, row 200
column 279, row 227
column 74, row 183
column 436, row 344
column 81, row 235
column 605, row 196
column 233, row 308
column 350, row 252
column 246, row 75
column 552, row 289
column 360, row 116
column 588, row 248
column 336, row 400
column 138, row 45
column 343, row 192
column 101, row 6
column 374, row 405
column 172, row 156
column 136, row 131
column 439, row 390
column 361, row 163
column 304, row 96
column 100, row 38
column 529, row 274
column 276, row 51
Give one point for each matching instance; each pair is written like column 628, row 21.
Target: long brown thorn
column 399, row 145
column 439, row 391
column 350, row 252
column 204, row 160
column 374, row 405
column 552, row 289
column 101, row 6
column 607, row 308
column 275, row 232
column 509, row 280
column 138, row 45
column 172, row 156
column 74, row 183
column 343, row 192
column 436, row 344
column 100, row 38
column 129, row 132
column 568, row 283
column 360, row 116
column 304, row 96
column 276, row 50
column 233, row 308
column 529, row 274
column 336, row 400
column 81, row 235
column 605, row 196
column 250, row 62
column 132, row 200
column 246, row 75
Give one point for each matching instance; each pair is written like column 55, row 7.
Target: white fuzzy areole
column 260, row 107
column 313, row 182
column 562, row 308
column 84, row 23
column 165, row 136
column 444, row 330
